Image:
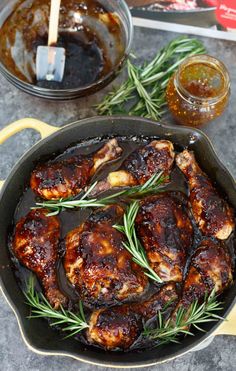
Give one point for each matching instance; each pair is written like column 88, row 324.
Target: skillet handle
column 27, row 123
column 228, row 327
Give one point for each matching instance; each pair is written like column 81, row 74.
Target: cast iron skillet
column 203, row 16
column 36, row 333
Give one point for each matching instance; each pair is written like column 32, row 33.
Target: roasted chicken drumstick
column 140, row 166
column 120, row 326
column 97, row 263
column 211, row 268
column 66, row 178
column 213, row 215
column 35, row 244
column 166, row 233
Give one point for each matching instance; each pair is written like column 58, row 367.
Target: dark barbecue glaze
column 210, row 268
column 166, row 233
column 156, row 156
column 71, row 219
column 35, row 244
column 67, row 177
column 212, row 214
column 140, row 165
column 120, row 326
column 97, row 263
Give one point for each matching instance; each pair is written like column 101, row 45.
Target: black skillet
column 36, row 333
column 202, row 16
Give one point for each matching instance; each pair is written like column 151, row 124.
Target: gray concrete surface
column 14, row 355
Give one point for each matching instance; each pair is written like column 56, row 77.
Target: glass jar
column 199, row 90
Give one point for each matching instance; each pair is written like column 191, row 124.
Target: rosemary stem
column 182, row 320
column 151, row 186
column 141, row 87
column 133, row 245
column 41, row 308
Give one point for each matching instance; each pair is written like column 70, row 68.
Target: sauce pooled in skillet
column 72, row 219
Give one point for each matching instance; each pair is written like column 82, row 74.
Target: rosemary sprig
column 74, row 323
column 133, row 245
column 184, row 318
column 151, row 186
column 143, row 94
column 151, row 105
column 59, row 205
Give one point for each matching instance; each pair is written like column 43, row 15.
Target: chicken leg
column 68, row 177
column 212, row 214
column 211, row 268
column 98, row 265
column 166, row 233
column 120, row 326
column 140, row 166
column 35, row 244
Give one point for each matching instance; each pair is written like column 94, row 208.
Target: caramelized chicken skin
column 35, row 244
column 212, row 214
column 120, row 326
column 66, row 178
column 98, row 265
column 166, row 233
column 211, row 268
column 141, row 165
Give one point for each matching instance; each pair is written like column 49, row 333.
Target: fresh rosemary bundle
column 169, row 331
column 166, row 331
column 133, row 245
column 143, row 94
column 73, row 323
column 150, row 187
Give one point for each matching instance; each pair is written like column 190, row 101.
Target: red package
column 226, row 13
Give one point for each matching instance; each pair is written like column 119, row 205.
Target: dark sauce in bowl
column 85, row 60
column 71, row 219
column 92, row 35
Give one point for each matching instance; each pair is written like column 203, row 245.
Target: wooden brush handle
column 54, row 22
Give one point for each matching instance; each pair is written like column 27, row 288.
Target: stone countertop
column 14, row 104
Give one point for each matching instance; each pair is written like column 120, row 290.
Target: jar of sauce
column 199, row 90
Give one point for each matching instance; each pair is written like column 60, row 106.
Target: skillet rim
column 83, row 358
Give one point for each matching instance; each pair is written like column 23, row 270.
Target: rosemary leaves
column 133, row 245
column 41, row 308
column 184, row 318
column 153, row 185
column 143, row 94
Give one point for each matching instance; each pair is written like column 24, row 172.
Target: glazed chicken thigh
column 166, row 233
column 211, row 268
column 66, row 178
column 98, row 265
column 140, row 166
column 213, row 215
column 35, row 244
column 120, row 326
